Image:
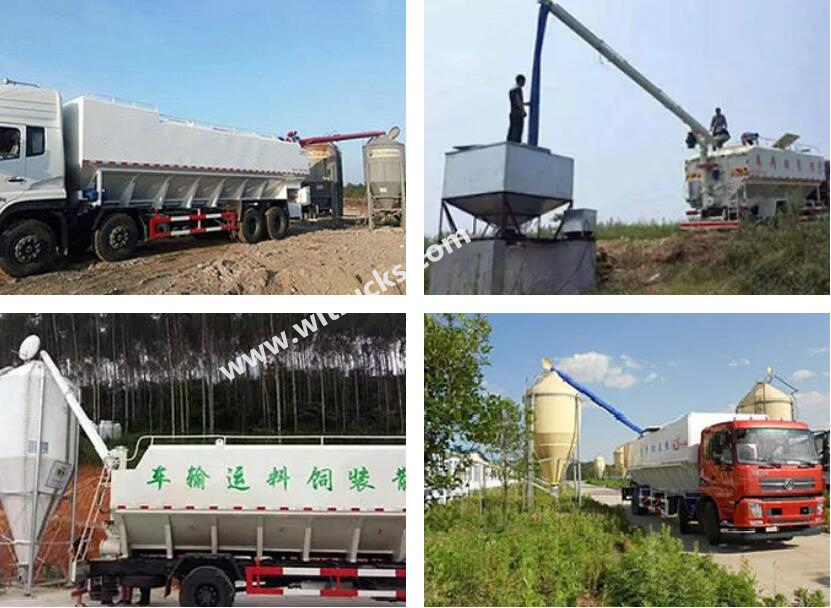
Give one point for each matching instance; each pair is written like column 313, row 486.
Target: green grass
column 784, row 257
column 615, row 230
column 561, row 556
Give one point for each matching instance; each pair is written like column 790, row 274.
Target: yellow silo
column 599, row 466
column 555, row 424
column 621, row 456
column 765, row 398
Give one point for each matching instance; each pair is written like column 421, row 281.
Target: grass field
column 607, row 231
column 559, row 556
column 785, row 257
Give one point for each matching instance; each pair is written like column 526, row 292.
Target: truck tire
column 116, row 238
column 206, row 586
column 684, row 525
column 277, row 222
column 710, row 523
column 252, row 226
column 27, row 247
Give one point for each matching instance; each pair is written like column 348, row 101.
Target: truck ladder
column 82, row 550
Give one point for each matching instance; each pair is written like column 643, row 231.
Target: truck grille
column 787, row 483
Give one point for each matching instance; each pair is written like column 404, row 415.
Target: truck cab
column 759, row 478
column 32, row 172
column 31, row 147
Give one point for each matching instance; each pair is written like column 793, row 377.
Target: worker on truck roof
column 517, row 116
column 718, row 128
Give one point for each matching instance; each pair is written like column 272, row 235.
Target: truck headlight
column 820, row 505
column 755, row 509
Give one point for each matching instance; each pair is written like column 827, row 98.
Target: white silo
column 37, row 440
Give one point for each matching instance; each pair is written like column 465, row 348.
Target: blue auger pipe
column 620, row 416
column 536, row 75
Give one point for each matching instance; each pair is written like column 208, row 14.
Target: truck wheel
column 251, row 226
column 710, row 523
column 27, row 247
column 684, row 525
column 116, row 238
column 277, row 222
column 206, row 586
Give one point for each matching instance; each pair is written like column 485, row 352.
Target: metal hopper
column 506, row 184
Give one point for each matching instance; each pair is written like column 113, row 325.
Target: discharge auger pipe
column 326, row 139
column 536, row 75
column 620, row 416
column 624, row 66
column 83, row 420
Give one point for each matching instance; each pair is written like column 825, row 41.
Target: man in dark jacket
column 518, row 113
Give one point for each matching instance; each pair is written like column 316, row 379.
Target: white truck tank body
column 757, row 176
column 148, row 160
column 19, row 474
column 667, row 459
column 301, row 500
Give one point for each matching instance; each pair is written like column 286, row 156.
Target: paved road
column 60, row 597
column 778, row 566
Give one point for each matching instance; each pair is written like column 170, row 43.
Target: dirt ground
column 313, row 259
column 648, row 263
column 779, row 567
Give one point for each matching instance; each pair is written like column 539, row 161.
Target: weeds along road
column 13, row 596
column 310, row 260
column 778, row 566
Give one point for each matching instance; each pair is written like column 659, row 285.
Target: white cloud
column 813, row 408
column 817, row 350
column 743, row 362
column 651, row 377
column 617, row 378
column 593, row 367
column 629, row 362
column 802, row 374
column 586, row 367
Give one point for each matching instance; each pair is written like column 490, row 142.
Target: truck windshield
column 775, row 446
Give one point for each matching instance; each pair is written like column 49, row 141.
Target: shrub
column 656, row 571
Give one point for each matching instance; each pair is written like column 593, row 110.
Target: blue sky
column 765, row 62
column 318, row 67
column 655, row 368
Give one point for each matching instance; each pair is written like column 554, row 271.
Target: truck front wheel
column 710, row 523
column 277, row 222
column 252, row 226
column 27, row 247
column 116, row 238
column 206, row 586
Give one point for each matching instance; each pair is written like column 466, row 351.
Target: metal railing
column 225, row 439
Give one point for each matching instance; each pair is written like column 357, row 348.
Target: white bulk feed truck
column 113, row 175
column 290, row 516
